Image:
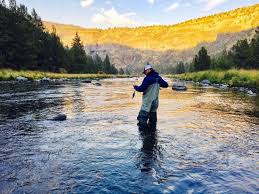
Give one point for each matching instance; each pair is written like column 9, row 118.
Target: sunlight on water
column 206, row 141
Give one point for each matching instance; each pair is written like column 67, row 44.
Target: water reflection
column 149, row 153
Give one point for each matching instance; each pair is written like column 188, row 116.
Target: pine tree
column 107, row 65
column 121, row 71
column 180, row 68
column 241, row 54
column 255, row 50
column 202, row 61
column 78, row 55
column 12, row 5
column 36, row 20
column 2, row 3
column 98, row 63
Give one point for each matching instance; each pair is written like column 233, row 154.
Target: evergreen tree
column 12, row 5
column 98, row 63
column 224, row 61
column 241, row 53
column 180, row 68
column 107, row 68
column 57, row 53
column 255, row 50
column 121, row 71
column 196, row 63
column 204, row 59
column 2, row 3
column 114, row 70
column 78, row 56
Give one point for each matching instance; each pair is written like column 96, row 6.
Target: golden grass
column 233, row 77
column 8, row 74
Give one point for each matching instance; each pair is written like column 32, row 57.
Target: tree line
column 26, row 45
column 243, row 55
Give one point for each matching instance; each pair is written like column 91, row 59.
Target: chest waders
column 148, row 111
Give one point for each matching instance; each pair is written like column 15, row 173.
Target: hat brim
column 146, row 69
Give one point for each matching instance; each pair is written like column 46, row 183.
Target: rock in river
column 206, row 82
column 179, row 86
column 45, row 80
column 87, row 81
column 60, row 117
column 21, row 79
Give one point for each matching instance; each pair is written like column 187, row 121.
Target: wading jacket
column 150, row 88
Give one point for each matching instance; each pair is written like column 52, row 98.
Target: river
column 206, row 141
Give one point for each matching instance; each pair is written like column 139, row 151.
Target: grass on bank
column 7, row 74
column 244, row 78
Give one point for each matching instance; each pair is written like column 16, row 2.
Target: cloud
column 151, row 2
column 112, row 18
column 211, row 4
column 86, row 3
column 108, row 2
column 172, row 7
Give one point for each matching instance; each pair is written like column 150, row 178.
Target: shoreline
column 7, row 75
column 232, row 78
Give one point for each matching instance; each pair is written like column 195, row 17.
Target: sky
column 128, row 13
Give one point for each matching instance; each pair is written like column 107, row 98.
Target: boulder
column 60, row 117
column 97, row 84
column 45, row 80
column 87, row 81
column 21, row 79
column 179, row 86
column 250, row 93
column 242, row 89
column 205, row 82
column 223, row 86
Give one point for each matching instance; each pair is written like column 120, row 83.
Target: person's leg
column 152, row 116
column 152, row 122
column 142, row 119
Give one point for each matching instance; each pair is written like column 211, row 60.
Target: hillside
column 181, row 36
column 124, row 56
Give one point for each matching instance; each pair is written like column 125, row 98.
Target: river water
column 206, row 141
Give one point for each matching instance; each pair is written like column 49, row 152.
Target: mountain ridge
column 182, row 36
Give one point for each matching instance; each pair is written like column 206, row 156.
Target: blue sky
column 117, row 13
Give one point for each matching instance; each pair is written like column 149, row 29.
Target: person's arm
column 143, row 87
column 163, row 83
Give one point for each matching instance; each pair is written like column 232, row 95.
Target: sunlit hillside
column 180, row 36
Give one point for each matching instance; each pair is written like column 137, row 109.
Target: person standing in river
column 147, row 117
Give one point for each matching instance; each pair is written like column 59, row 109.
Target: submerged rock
column 87, row 81
column 251, row 93
column 96, row 83
column 223, row 86
column 45, row 80
column 179, row 86
column 205, row 82
column 21, row 79
column 60, row 117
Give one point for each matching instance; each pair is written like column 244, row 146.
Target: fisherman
column 150, row 86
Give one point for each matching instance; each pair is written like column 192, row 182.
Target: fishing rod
column 135, row 71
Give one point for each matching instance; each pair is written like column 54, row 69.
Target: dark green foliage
column 255, row 50
column 243, row 55
column 202, row 60
column 121, row 71
column 26, row 45
column 180, row 68
column 223, row 62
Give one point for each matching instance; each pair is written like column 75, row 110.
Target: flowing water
column 206, row 140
